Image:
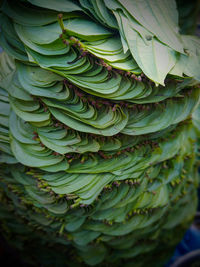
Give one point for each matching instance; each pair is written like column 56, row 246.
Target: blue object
column 190, row 242
column 191, row 239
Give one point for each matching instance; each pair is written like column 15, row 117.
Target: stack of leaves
column 97, row 144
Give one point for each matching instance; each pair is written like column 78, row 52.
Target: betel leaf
column 156, row 17
column 86, row 29
column 7, row 69
column 27, row 159
column 27, row 16
column 154, row 58
column 63, row 5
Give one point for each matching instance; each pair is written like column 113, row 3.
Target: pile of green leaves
column 98, row 103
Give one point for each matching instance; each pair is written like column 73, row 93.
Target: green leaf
column 62, row 5
column 156, row 16
column 155, row 59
